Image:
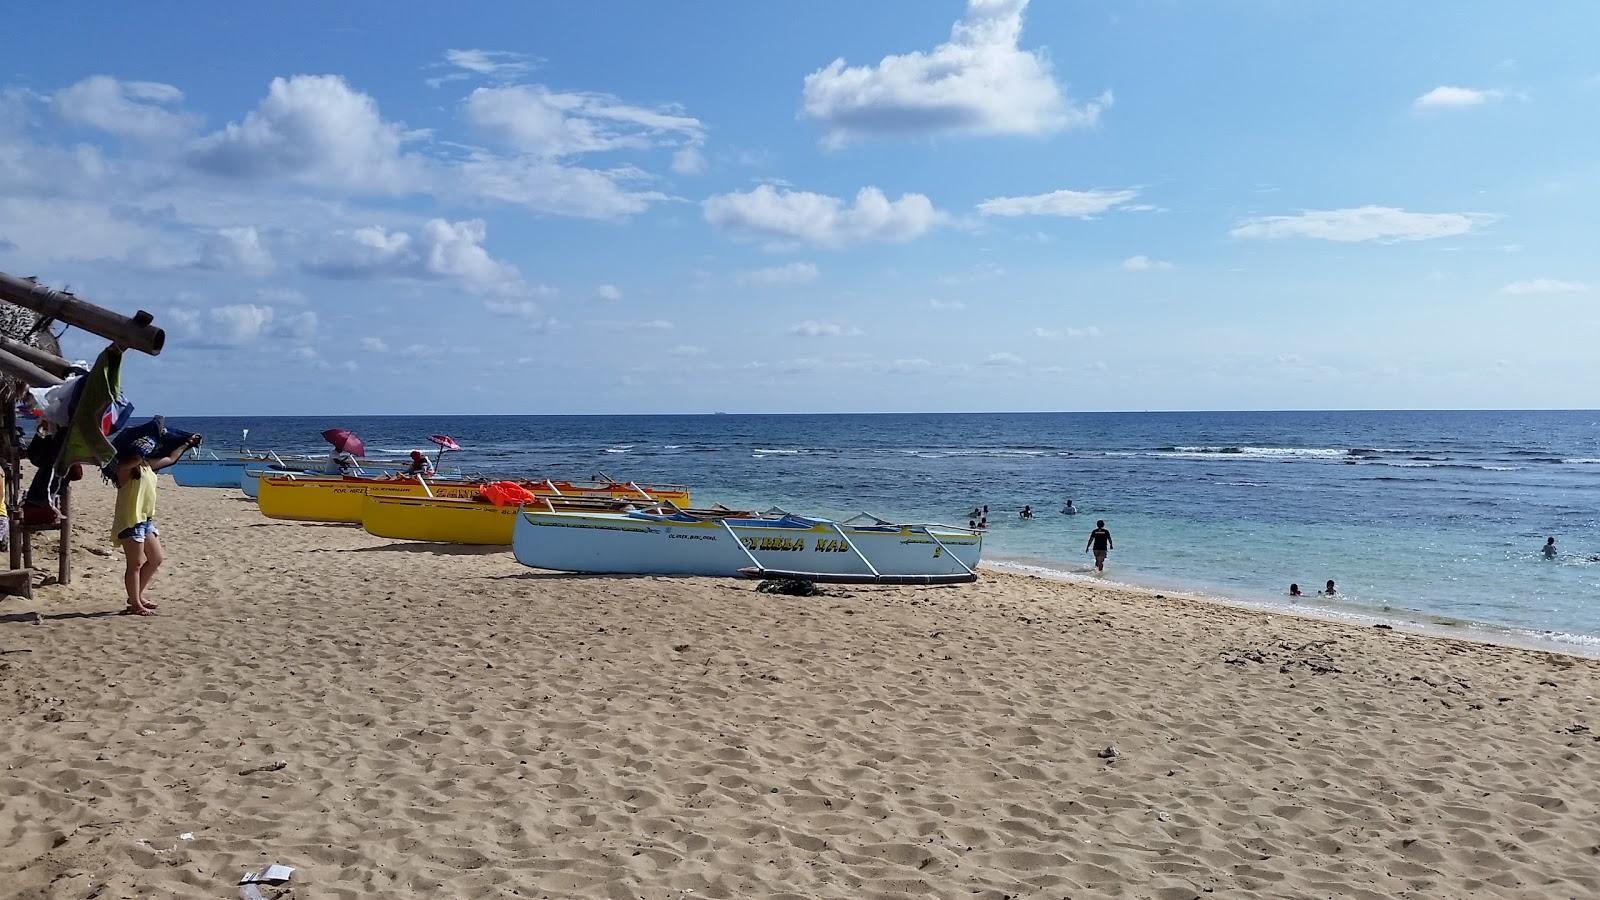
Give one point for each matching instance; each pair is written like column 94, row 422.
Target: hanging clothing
column 99, row 412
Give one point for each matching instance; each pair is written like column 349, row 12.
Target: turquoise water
column 1431, row 516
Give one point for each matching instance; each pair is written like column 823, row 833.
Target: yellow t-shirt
column 136, row 501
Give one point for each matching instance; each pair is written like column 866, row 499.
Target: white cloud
column 608, row 292
column 146, row 110
column 1072, row 204
column 773, row 276
column 634, row 325
column 1544, row 286
column 302, row 326
column 1056, row 334
column 688, row 350
column 314, row 128
column 1004, row 360
column 1450, row 97
column 280, row 295
column 519, row 309
column 1366, row 223
column 374, row 345
column 551, row 124
column 239, row 325
column 935, row 303
column 499, row 65
column 1144, row 264
column 818, row 219
column 979, row 82
column 689, row 161
column 440, row 250
column 236, row 249
column 813, row 328
column 909, row 366
column 548, row 187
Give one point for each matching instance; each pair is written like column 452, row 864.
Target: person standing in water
column 1329, row 590
column 1069, row 509
column 1549, row 550
column 1100, row 544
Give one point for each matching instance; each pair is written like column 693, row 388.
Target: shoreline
column 1580, row 646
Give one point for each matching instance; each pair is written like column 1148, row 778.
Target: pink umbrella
column 345, row 441
column 445, row 442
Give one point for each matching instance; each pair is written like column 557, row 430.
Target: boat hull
column 344, row 499
column 225, row 472
column 621, row 544
column 441, row 520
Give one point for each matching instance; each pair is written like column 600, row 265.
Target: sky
column 608, row 207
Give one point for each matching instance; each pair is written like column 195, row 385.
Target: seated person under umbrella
column 419, row 466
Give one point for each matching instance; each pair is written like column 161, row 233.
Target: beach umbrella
column 345, row 441
column 445, row 442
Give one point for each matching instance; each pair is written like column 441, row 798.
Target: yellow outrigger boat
column 343, row 499
column 454, row 520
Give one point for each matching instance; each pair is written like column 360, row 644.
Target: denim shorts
column 139, row 532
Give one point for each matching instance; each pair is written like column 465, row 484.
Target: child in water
column 1294, row 591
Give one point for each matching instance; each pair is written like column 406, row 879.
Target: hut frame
column 35, row 367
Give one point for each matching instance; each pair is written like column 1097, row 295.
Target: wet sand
column 452, row 724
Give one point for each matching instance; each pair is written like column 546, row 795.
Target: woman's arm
column 159, row 464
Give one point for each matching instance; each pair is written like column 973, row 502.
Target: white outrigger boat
column 666, row 540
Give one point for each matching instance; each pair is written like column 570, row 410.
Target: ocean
column 1433, row 518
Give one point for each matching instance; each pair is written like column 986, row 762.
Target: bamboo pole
column 135, row 332
column 25, row 371
column 44, row 359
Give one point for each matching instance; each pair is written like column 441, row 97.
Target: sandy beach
column 452, row 724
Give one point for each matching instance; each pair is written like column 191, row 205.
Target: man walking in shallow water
column 1100, row 544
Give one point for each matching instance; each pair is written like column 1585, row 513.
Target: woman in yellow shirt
column 134, row 523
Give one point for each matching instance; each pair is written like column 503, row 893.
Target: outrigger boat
column 218, row 471
column 250, row 476
column 452, row 520
column 667, row 540
column 343, row 498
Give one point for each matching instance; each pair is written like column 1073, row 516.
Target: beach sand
column 454, row 725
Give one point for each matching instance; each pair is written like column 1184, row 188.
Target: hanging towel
column 100, row 411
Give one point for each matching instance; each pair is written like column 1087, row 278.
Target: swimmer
column 1294, row 591
column 1329, row 590
column 1549, row 550
column 1069, row 509
column 1100, row 544
column 1027, row 512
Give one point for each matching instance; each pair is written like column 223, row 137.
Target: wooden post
column 45, row 360
column 10, row 461
column 135, row 332
column 25, row 371
column 64, row 572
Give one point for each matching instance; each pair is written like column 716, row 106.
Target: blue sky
column 831, row 206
